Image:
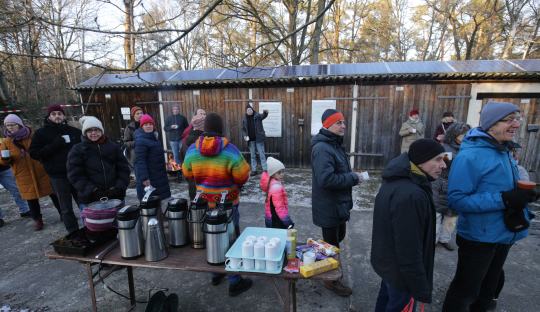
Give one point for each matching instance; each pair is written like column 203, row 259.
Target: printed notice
column 272, row 123
column 317, row 109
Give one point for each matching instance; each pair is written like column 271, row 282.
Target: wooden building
column 374, row 97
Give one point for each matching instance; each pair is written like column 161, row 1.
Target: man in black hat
column 253, row 132
column 446, row 121
column 403, row 241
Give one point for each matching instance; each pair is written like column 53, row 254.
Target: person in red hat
column 411, row 130
column 129, row 134
column 50, row 146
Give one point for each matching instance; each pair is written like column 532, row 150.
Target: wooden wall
column 108, row 109
column 381, row 110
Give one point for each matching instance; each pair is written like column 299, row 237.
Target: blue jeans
column 260, row 148
column 7, row 179
column 175, row 147
column 391, row 299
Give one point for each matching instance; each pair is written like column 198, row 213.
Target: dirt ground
column 31, row 282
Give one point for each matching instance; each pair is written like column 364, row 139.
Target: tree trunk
column 129, row 39
column 315, row 44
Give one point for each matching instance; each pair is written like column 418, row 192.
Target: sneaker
column 449, row 246
column 25, row 214
column 338, row 288
column 239, row 287
column 2, row 222
column 217, row 278
column 38, row 226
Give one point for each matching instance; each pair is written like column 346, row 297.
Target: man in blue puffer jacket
column 482, row 187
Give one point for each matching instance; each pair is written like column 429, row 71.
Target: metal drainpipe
column 162, row 119
column 353, row 124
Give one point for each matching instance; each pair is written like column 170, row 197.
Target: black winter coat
column 180, row 121
column 332, row 182
column 260, row 135
column 94, row 169
column 150, row 164
column 49, row 148
column 403, row 239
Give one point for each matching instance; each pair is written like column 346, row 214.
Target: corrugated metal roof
column 309, row 74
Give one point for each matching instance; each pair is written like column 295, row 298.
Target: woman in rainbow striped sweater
column 217, row 166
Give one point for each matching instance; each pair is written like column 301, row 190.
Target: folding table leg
column 91, row 284
column 293, row 295
column 131, row 286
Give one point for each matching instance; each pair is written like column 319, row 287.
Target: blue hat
column 495, row 111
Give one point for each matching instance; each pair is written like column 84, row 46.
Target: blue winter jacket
column 150, row 164
column 480, row 172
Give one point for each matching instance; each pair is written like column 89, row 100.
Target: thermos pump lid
column 215, row 217
column 128, row 213
column 154, row 201
column 177, row 205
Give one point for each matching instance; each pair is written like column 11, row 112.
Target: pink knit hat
column 146, row 119
column 12, row 118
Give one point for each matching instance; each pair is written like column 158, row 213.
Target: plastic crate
column 236, row 250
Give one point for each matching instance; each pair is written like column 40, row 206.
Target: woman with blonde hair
column 32, row 180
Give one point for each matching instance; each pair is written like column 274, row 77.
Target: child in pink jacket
column 276, row 203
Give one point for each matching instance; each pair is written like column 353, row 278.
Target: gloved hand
column 59, row 141
column 115, row 193
column 518, row 198
column 98, row 194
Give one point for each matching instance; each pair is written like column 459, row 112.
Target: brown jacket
column 32, row 180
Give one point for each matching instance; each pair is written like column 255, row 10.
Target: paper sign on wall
column 126, row 117
column 272, row 123
column 125, row 110
column 317, row 109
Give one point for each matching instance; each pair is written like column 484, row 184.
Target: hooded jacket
column 403, row 237
column 49, row 148
column 260, row 135
column 480, row 172
column 332, row 181
column 216, row 166
column 150, row 164
column 94, row 166
column 275, row 192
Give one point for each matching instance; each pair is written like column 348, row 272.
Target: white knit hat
column 89, row 122
column 274, row 165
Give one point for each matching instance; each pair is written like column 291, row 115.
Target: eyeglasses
column 93, row 130
column 511, row 120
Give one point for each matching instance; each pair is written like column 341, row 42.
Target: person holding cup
column 30, row 176
column 493, row 214
column 50, row 146
column 411, row 130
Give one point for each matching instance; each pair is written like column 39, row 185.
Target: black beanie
column 423, row 150
column 213, row 123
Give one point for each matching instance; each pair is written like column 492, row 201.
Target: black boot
column 237, row 288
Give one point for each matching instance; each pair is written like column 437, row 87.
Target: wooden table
column 184, row 259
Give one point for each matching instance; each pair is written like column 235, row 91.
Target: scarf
column 22, row 133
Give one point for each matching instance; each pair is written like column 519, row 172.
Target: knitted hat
column 89, row 122
column 135, row 109
column 330, row 117
column 413, row 112
column 12, row 118
column 492, row 112
column 274, row 165
column 146, row 119
column 423, row 150
column 198, row 122
column 55, row 108
column 448, row 114
column 213, row 123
